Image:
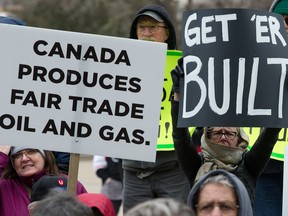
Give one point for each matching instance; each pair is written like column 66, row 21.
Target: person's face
column 151, row 30
column 28, row 162
column 285, row 19
column 217, row 200
column 227, row 136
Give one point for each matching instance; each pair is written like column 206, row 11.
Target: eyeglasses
column 28, row 153
column 226, row 208
column 151, row 28
column 229, row 135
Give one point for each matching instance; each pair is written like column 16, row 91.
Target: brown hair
column 50, row 167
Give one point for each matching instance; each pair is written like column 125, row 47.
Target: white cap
column 15, row 150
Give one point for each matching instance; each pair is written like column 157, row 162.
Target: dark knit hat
column 281, row 7
column 43, row 186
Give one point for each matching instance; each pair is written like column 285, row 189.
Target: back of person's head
column 47, row 184
column 164, row 15
column 11, row 20
column 59, row 203
column 99, row 203
column 225, row 178
column 160, row 207
column 280, row 7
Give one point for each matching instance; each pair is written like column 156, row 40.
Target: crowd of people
column 224, row 178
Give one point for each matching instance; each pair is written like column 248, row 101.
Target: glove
column 176, row 73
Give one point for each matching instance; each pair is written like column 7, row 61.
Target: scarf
column 218, row 156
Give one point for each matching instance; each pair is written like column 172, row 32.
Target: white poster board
column 80, row 93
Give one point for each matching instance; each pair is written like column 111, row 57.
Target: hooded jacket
column 162, row 12
column 245, row 208
column 165, row 160
column 99, row 201
column 274, row 3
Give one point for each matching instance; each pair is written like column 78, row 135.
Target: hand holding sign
column 176, row 74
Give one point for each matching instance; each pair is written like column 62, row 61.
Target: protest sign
column 165, row 141
column 80, row 93
column 285, row 185
column 235, row 63
column 278, row 150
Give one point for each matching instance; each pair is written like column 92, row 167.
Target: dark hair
column 50, row 167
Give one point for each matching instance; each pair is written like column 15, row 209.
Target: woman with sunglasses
column 222, row 147
column 20, row 168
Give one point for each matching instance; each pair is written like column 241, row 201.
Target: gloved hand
column 176, row 73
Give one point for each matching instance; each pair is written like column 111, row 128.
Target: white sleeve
column 99, row 162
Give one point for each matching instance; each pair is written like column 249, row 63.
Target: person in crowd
column 11, row 21
column 20, row 169
column 59, row 203
column 62, row 161
column 62, row 158
column 43, row 186
column 160, row 207
column 271, row 179
column 110, row 171
column 219, row 192
column 145, row 180
column 222, row 147
column 100, row 204
column 47, row 185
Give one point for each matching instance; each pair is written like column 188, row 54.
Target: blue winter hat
column 11, row 20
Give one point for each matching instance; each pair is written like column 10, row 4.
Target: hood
column 245, row 208
column 99, row 201
column 163, row 13
column 12, row 21
column 282, row 9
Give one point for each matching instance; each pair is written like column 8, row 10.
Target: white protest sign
column 80, row 93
